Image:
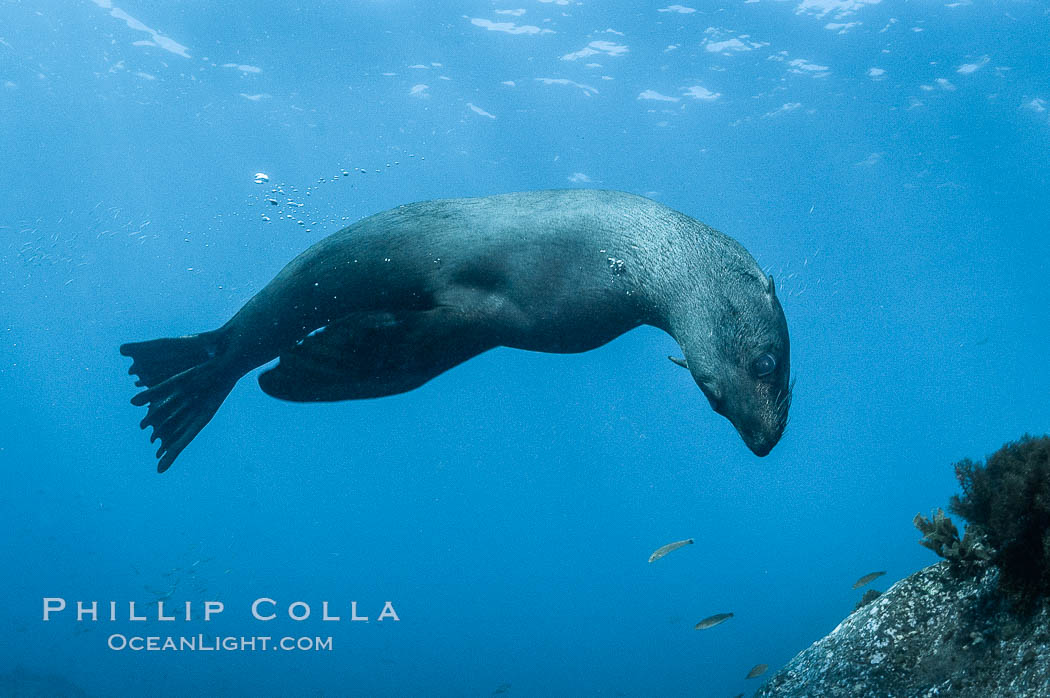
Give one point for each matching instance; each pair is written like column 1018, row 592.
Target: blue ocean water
column 885, row 162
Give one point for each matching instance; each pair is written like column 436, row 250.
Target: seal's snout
column 758, row 435
column 761, row 446
column 759, row 421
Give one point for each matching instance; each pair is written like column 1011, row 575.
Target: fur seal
column 388, row 303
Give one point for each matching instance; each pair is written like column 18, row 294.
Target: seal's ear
column 771, row 288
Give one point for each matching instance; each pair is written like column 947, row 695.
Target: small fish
column 669, row 548
column 161, row 595
column 714, row 620
column 867, row 579
column 757, row 670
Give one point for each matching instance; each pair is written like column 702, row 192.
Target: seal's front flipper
column 184, row 388
column 367, row 355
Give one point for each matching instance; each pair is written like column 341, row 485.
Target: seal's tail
column 185, row 385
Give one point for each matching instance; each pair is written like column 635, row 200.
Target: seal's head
column 743, row 366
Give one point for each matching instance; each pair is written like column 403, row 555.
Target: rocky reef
column 975, row 625
column 934, row 633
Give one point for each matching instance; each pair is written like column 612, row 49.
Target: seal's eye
column 764, row 365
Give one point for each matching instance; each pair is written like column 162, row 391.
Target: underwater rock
column 935, row 633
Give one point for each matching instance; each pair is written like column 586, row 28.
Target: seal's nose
column 759, row 441
column 760, row 435
column 760, row 448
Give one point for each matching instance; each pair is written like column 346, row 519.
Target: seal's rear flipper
column 184, row 389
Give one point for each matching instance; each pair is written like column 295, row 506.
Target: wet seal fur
column 390, row 302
